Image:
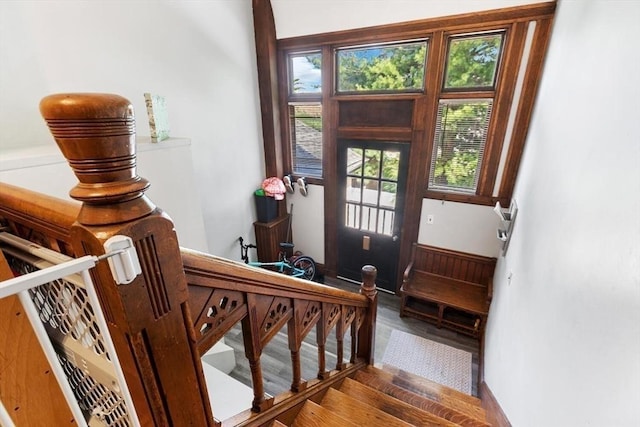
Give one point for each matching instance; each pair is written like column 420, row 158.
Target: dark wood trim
column 381, row 134
column 505, row 88
column 526, row 105
column 421, row 149
column 266, row 54
column 330, row 166
column 377, row 96
column 419, row 27
column 495, row 415
column 465, row 198
column 454, row 264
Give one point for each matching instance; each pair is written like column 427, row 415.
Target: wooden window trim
column 513, row 21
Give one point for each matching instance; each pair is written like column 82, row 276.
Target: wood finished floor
column 276, row 359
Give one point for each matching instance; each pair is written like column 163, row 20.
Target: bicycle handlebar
column 244, row 250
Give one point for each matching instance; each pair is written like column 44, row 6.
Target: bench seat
column 457, row 298
column 466, row 296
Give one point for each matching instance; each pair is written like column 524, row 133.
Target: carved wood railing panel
column 265, row 302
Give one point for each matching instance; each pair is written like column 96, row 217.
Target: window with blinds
column 459, row 143
column 305, row 113
column 305, row 127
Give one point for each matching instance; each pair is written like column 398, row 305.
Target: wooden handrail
column 223, row 293
column 27, row 211
column 200, row 264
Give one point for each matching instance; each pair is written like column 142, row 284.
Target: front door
column 372, row 179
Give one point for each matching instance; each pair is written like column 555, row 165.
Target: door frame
column 416, row 136
column 390, row 244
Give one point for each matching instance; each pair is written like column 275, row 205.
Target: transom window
column 381, row 68
column 472, row 62
column 305, row 73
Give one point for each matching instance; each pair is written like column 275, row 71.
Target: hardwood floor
column 276, row 362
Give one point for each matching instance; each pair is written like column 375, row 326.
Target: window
column 472, row 62
column 397, row 67
column 470, row 79
column 305, row 113
column 462, row 124
column 372, row 186
column 460, row 137
column 305, row 76
column 306, row 138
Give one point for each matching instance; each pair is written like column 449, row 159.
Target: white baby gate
column 61, row 303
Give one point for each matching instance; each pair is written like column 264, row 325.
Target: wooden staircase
column 389, row 397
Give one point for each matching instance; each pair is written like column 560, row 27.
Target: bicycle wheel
column 304, row 267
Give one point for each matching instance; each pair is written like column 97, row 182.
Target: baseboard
column 495, row 415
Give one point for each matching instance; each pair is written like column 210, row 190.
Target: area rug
column 437, row 362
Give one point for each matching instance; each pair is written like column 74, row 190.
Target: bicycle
column 301, row 266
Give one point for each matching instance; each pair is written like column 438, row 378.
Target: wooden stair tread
column 312, row 415
column 470, row 416
column 358, row 412
column 392, row 406
column 277, row 423
column 424, row 386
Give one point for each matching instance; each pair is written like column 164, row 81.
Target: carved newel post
column 367, row 332
column 149, row 319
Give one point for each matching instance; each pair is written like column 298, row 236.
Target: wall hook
column 303, row 186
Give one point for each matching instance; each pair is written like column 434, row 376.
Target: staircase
column 389, row 397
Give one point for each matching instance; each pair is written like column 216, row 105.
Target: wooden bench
column 449, row 288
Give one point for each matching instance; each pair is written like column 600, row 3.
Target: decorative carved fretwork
column 277, row 314
column 310, row 317
column 221, row 312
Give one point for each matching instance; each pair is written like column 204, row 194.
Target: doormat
column 437, row 362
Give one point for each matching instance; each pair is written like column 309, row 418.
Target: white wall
column 563, row 339
column 308, row 221
column 303, row 17
column 199, row 55
column 44, row 169
column 461, row 227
